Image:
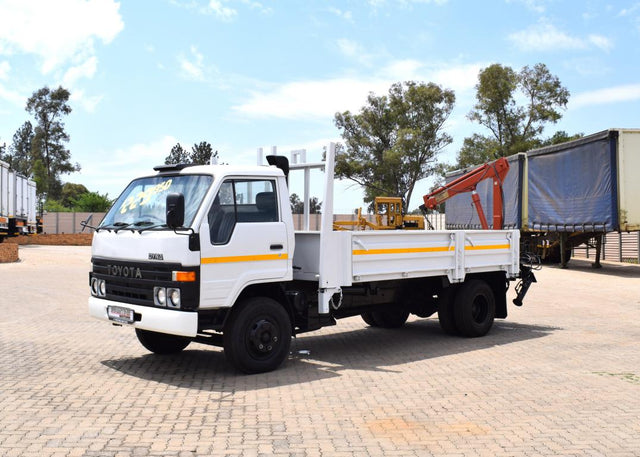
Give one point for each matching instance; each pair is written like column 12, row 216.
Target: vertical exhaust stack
column 280, row 162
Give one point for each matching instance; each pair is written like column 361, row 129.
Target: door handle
column 276, row 247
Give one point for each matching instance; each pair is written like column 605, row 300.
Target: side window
column 241, row 201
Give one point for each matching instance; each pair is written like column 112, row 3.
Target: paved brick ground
column 561, row 376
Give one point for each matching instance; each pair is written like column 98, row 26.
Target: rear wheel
column 390, row 318
column 257, row 335
column 162, row 343
column 367, row 317
column 446, row 315
column 474, row 308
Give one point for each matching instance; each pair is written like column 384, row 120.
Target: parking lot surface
column 559, row 376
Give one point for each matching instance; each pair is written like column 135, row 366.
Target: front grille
column 133, row 282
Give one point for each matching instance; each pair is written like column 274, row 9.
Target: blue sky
column 244, row 73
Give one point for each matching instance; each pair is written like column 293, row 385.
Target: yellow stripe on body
column 487, row 246
column 401, row 250
column 431, row 249
column 244, row 258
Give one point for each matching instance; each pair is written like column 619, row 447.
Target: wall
column 54, row 223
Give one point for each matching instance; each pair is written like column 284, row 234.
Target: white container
column 628, row 155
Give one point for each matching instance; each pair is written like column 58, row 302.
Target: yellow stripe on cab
column 244, row 258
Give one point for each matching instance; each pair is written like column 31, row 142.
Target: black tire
column 162, row 343
column 474, row 308
column 367, row 317
column 446, row 315
column 390, row 318
column 257, row 335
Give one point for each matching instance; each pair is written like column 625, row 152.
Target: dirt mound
column 61, row 239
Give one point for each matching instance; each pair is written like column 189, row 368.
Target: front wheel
column 257, row 335
column 474, row 308
column 162, row 343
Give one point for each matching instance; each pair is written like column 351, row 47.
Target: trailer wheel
column 162, row 343
column 257, row 335
column 446, row 316
column 474, row 308
column 390, row 318
column 367, row 317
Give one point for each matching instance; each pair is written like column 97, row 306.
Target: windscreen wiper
column 115, row 226
column 147, row 225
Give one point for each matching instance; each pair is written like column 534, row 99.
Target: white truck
column 210, row 254
column 17, row 203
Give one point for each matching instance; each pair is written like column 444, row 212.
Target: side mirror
column 175, row 210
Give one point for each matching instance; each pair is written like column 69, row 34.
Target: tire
column 390, row 318
column 367, row 317
column 446, row 315
column 162, row 343
column 257, row 335
column 474, row 308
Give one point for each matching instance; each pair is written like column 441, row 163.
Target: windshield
column 143, row 203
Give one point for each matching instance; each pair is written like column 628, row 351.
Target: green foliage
column 515, row 107
column 92, row 202
column 394, row 140
column 71, row 192
column 49, row 139
column 201, row 153
column 20, row 149
column 297, row 205
column 55, row 206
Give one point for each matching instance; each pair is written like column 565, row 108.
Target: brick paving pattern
column 560, row 376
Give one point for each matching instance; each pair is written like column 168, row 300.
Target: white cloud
column 57, row 31
column 12, row 96
column 5, row 67
column 193, row 68
column 88, row 102
column 544, row 36
column 617, row 94
column 323, row 98
column 601, row 42
column 138, row 159
column 538, row 6
column 222, row 12
column 84, row 70
column 346, row 15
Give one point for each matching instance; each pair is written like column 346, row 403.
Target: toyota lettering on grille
column 125, row 272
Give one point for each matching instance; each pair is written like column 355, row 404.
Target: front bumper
column 174, row 322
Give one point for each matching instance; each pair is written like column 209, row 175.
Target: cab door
column 243, row 241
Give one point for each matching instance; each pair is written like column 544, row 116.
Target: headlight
column 174, row 298
column 160, row 296
column 94, row 287
column 98, row 287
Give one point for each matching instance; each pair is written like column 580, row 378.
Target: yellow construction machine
column 388, row 216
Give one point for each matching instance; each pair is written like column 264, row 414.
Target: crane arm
column 496, row 170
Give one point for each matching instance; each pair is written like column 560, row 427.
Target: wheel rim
column 263, row 337
column 480, row 309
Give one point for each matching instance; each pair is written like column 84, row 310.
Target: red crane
column 496, row 170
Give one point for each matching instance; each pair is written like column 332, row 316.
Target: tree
column 297, row 205
column 70, row 192
column 92, row 202
column 394, row 140
column 514, row 125
column 48, row 144
column 20, row 150
column 177, row 155
column 201, row 154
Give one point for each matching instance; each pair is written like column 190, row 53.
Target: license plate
column 120, row 314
